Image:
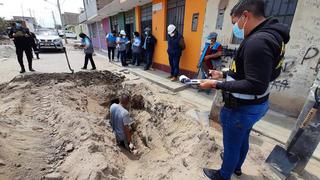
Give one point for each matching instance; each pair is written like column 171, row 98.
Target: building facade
column 196, row 19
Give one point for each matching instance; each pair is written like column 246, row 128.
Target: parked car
column 61, row 32
column 70, row 34
column 49, row 39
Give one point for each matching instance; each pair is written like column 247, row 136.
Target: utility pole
column 30, row 12
column 62, row 22
column 54, row 20
column 22, row 11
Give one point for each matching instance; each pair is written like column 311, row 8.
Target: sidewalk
column 274, row 125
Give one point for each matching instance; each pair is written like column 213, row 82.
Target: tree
column 3, row 25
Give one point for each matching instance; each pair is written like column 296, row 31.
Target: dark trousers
column 123, row 55
column 136, row 57
column 35, row 50
column 174, row 61
column 111, row 51
column 118, row 54
column 149, row 57
column 86, row 59
column 28, row 52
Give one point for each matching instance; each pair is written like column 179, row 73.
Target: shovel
column 65, row 52
column 284, row 161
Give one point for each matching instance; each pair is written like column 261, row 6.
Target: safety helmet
column 122, row 32
column 171, row 28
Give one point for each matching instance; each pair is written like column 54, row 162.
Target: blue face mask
column 239, row 33
column 18, row 25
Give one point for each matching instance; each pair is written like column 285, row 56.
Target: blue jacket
column 87, row 42
column 174, row 48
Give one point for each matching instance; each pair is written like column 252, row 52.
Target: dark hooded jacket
column 257, row 62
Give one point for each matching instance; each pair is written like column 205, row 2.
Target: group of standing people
column 24, row 41
column 140, row 46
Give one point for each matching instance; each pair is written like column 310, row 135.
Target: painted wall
column 191, row 54
column 91, row 8
column 290, row 90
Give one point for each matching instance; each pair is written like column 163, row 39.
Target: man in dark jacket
column 20, row 39
column 175, row 47
column 247, row 86
column 33, row 43
column 149, row 43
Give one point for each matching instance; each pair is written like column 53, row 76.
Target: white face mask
column 123, row 36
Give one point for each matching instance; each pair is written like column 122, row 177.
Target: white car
column 70, row 34
column 49, row 39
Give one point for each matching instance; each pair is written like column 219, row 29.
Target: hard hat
column 171, row 28
column 147, row 29
column 212, row 35
column 122, row 32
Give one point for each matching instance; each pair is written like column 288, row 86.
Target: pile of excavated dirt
column 55, row 126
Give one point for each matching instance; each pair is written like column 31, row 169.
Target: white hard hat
column 122, row 32
column 171, row 28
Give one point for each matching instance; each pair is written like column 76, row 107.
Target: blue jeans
column 236, row 126
column 174, row 61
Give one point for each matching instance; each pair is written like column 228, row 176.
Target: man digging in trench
column 121, row 122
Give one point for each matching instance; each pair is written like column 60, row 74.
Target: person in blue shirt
column 122, row 42
column 86, row 43
column 136, row 49
column 111, row 39
column 121, row 122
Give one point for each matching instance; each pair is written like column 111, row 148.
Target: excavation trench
column 56, row 126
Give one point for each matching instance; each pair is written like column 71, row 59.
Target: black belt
column 233, row 102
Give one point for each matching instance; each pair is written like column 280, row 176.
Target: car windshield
column 47, row 33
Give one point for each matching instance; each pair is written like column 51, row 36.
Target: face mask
column 146, row 33
column 123, row 36
column 18, row 25
column 239, row 33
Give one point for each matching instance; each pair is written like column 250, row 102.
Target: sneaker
column 213, row 174
column 169, row 77
column 237, row 172
column 84, row 68
column 22, row 71
column 93, row 68
column 32, row 70
column 174, row 79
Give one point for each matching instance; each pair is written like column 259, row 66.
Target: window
column 146, row 16
column 282, row 9
column 129, row 17
column 175, row 14
column 195, row 19
column 114, row 23
column 220, row 17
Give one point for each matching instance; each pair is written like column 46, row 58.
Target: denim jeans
column 236, row 126
column 174, row 61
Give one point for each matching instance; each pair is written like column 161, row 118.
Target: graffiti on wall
column 280, row 85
